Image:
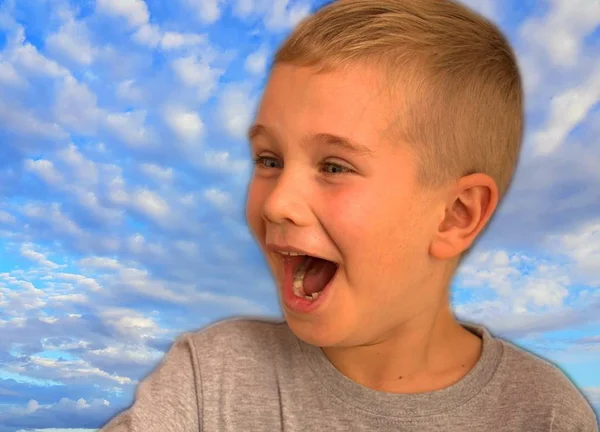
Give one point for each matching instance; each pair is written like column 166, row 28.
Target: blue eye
column 328, row 168
column 264, row 161
column 340, row 169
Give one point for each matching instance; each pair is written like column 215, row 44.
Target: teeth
column 312, row 297
column 298, row 288
column 292, row 253
column 298, row 285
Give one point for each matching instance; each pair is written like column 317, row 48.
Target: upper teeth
column 292, row 253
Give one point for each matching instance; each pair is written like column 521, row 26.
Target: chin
column 320, row 332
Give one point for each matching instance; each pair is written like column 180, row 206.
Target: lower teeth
column 312, row 297
column 298, row 288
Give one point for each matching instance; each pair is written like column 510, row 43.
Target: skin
column 387, row 323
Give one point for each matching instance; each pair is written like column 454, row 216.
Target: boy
column 388, row 133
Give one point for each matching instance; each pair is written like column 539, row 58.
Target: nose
column 287, row 203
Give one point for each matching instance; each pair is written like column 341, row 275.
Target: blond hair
column 453, row 73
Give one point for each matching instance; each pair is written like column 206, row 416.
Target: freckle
column 463, row 365
column 399, row 377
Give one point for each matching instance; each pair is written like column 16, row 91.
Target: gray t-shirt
column 256, row 375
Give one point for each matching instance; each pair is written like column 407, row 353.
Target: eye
column 265, row 162
column 331, row 168
column 328, row 168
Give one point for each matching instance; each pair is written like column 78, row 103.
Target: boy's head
column 429, row 94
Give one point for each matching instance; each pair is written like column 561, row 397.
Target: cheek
column 359, row 224
column 373, row 232
column 254, row 205
column 345, row 215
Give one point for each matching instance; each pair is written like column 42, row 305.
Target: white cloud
column 127, row 90
column 84, row 172
column 137, row 15
column 282, row 17
column 175, row 40
column 544, row 293
column 157, row 173
column 83, row 281
column 277, row 15
column 148, row 34
column 20, row 297
column 26, row 123
column 64, row 406
column 130, row 127
column 244, row 8
column 187, row 247
column 530, row 73
column 73, row 370
column 28, row 251
column 152, row 36
column 8, row 75
column 84, row 169
column 100, row 263
column 134, row 11
column 138, row 244
column 46, row 170
column 75, row 106
column 115, row 185
column 487, row 8
column 256, row 63
column 69, row 298
column 53, row 216
column 207, row 11
column 560, row 34
column 197, row 73
column 520, row 282
column 121, row 352
column 236, row 108
column 6, row 217
column 131, row 323
column 90, row 202
column 593, row 393
column 583, row 246
column 26, row 57
column 221, row 161
column 151, row 204
column 221, row 200
column 519, row 324
column 187, row 125
column 568, row 109
column 529, row 294
column 72, row 41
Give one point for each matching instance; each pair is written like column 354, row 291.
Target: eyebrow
column 340, row 142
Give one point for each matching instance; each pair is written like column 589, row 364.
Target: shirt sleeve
column 574, row 414
column 168, row 399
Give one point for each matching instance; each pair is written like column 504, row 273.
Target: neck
column 430, row 352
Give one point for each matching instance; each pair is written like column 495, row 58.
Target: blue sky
column 123, row 174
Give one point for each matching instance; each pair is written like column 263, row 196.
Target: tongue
column 318, row 275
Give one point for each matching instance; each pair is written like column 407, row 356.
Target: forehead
column 353, row 103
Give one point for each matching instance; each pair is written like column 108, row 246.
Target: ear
column 468, row 209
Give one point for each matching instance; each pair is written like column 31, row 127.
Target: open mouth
column 310, row 274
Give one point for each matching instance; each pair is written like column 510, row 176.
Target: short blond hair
column 454, row 74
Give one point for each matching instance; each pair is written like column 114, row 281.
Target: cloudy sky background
column 123, row 171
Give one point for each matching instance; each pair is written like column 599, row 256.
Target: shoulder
column 540, row 383
column 239, row 336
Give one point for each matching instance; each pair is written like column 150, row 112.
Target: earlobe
column 465, row 216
